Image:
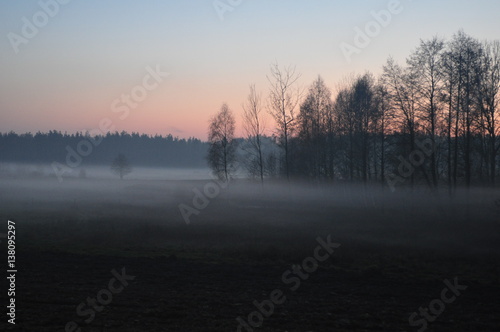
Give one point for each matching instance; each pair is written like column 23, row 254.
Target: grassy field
column 396, row 252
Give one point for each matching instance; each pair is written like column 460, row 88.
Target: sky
column 160, row 67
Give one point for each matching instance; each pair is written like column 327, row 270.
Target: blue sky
column 88, row 54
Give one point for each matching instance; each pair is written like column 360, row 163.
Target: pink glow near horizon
column 68, row 76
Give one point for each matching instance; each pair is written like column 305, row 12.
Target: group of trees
column 432, row 120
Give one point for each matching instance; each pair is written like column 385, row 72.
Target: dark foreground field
column 398, row 252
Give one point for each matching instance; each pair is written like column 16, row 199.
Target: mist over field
column 468, row 223
column 46, row 171
column 247, row 236
column 230, row 165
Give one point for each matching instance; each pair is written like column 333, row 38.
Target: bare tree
column 120, row 166
column 465, row 54
column 221, row 152
column 448, row 69
column 383, row 112
column 363, row 106
column 401, row 85
column 315, row 128
column 345, row 124
column 284, row 96
column 356, row 110
column 425, row 62
column 254, row 126
column 488, row 88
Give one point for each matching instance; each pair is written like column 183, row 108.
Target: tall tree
column 254, row 126
column 363, row 107
column 315, row 130
column 465, row 53
column 284, row 96
column 345, row 124
column 222, row 146
column 488, row 87
column 448, row 69
column 425, row 63
column 383, row 114
column 401, row 85
column 356, row 114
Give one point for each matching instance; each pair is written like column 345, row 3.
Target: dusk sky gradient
column 91, row 52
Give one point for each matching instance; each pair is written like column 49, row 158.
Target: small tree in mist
column 120, row 166
column 222, row 147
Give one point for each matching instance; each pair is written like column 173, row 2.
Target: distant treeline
column 140, row 149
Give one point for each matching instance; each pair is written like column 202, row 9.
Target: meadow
column 218, row 273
